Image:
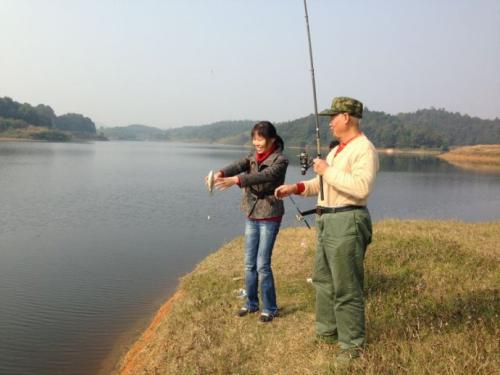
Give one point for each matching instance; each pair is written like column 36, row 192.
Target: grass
column 432, row 305
column 478, row 157
column 21, row 133
column 34, row 133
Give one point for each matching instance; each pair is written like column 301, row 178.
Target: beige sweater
column 350, row 176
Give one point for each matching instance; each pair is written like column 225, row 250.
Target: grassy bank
column 478, row 157
column 34, row 133
column 432, row 307
column 37, row 133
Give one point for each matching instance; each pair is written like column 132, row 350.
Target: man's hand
column 320, row 166
column 222, row 183
column 285, row 190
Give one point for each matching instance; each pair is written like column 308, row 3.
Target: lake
column 93, row 237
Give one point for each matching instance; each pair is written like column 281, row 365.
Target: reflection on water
column 428, row 187
column 414, row 163
column 94, row 236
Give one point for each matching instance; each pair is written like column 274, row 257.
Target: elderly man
column 344, row 228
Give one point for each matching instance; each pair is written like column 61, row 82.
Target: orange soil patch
column 132, row 361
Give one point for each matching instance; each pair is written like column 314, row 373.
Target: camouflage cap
column 343, row 104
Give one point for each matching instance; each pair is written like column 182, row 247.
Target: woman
column 259, row 174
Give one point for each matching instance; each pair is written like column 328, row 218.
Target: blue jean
column 259, row 239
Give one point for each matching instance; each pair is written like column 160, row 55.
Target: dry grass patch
column 432, row 307
column 479, row 157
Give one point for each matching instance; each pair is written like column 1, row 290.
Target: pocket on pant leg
column 348, row 265
column 363, row 226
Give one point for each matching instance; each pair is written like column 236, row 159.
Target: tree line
column 14, row 115
column 426, row 128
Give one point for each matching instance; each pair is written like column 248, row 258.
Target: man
column 344, row 228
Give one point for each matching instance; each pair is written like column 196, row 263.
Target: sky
column 174, row 63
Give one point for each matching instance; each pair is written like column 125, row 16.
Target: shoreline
column 387, row 151
column 123, row 359
column 7, row 139
column 186, row 335
column 123, row 343
column 481, row 158
column 408, row 151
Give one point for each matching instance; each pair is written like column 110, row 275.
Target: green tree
column 75, row 122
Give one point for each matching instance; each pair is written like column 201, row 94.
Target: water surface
column 93, row 237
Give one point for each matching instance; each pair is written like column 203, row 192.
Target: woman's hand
column 222, row 183
column 285, row 190
column 216, row 176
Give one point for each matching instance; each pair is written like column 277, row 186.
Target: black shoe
column 245, row 311
column 266, row 317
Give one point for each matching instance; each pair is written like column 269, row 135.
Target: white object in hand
column 210, row 181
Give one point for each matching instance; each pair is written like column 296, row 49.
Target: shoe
column 266, row 317
column 330, row 339
column 245, row 311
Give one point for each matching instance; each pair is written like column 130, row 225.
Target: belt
column 331, row 210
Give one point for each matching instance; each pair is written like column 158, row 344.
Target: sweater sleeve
column 237, row 167
column 311, row 187
column 358, row 182
column 275, row 172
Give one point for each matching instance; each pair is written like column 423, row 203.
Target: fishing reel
column 305, row 162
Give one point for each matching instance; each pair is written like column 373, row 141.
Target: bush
column 9, row 123
column 51, row 135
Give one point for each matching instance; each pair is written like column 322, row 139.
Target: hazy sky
column 173, row 63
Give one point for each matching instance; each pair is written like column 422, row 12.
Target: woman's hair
column 268, row 131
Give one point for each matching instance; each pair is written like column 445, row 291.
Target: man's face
column 339, row 125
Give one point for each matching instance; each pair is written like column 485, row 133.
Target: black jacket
column 259, row 182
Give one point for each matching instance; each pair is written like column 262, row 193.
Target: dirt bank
column 131, row 362
column 423, row 315
column 484, row 158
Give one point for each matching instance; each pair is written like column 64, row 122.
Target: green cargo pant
column 339, row 275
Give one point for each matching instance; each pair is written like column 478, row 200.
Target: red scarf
column 263, row 156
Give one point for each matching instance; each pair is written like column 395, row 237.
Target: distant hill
column 228, row 132
column 135, row 132
column 429, row 128
column 454, row 128
column 425, row 128
column 22, row 120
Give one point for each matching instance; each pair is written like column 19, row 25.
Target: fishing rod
column 299, row 216
column 316, row 117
